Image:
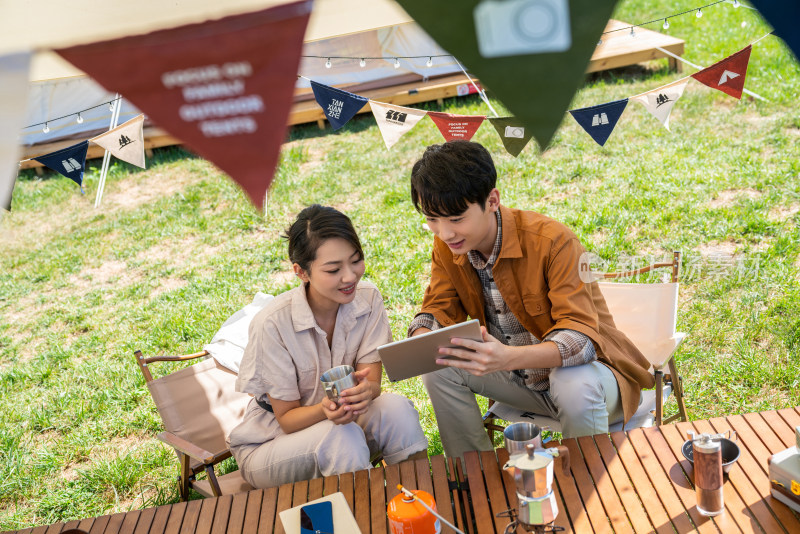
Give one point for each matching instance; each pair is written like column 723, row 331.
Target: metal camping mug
column 518, row 435
column 337, row 380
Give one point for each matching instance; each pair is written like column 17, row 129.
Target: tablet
column 417, row 355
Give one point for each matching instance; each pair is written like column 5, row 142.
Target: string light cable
column 78, row 114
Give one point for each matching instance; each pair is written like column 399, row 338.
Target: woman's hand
column 336, row 413
column 356, row 400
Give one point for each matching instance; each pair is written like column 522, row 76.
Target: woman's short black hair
column 314, row 225
column 449, row 177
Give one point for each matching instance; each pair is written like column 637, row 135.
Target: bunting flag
column 394, row 121
column 125, row 142
column 456, row 127
column 727, row 75
column 13, row 107
column 783, row 16
column 512, row 132
column 531, row 54
column 223, row 87
column 70, row 161
column 659, row 102
column 339, row 106
column 599, row 121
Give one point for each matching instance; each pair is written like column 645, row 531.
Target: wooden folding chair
column 199, row 406
column 647, row 314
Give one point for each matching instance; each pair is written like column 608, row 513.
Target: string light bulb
column 599, row 41
column 735, row 3
column 111, row 106
column 429, row 63
column 396, row 63
column 46, row 128
column 79, row 119
column 328, row 63
column 666, row 24
column 362, row 63
column 633, row 32
column 699, row 13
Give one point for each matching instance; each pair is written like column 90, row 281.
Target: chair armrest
column 188, row 448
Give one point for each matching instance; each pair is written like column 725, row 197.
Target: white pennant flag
column 659, row 102
column 126, row 141
column 394, row 121
column 13, row 107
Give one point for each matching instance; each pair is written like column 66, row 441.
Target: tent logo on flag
column 662, row 99
column 70, row 165
column 396, row 117
column 335, row 108
column 124, row 141
column 517, row 132
column 599, row 119
column 727, row 75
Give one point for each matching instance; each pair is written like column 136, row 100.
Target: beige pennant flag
column 659, row 102
column 394, row 121
column 125, row 142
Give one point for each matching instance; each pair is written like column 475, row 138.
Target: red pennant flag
column 456, row 127
column 223, row 87
column 727, row 75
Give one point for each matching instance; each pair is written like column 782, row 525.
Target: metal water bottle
column 707, row 454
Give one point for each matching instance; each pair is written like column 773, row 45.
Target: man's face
column 475, row 229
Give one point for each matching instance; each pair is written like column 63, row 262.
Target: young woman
column 291, row 430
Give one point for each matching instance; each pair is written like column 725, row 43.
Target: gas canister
column 407, row 516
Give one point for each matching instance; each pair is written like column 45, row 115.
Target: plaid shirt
column 575, row 348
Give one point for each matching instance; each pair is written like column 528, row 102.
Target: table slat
column 747, row 437
column 361, row 500
column 408, row 476
column 662, row 486
column 781, row 428
column 269, row 512
column 315, row 489
column 392, row 480
column 142, row 526
column 423, row 469
column 752, row 495
column 377, row 501
column 791, row 417
column 252, row 512
column 346, row 482
column 299, row 493
column 441, row 490
column 494, row 488
column 222, row 514
column 204, row 521
column 622, row 484
column 764, row 432
column 591, row 501
column 604, row 487
column 55, row 528
column 284, row 502
column 480, row 505
column 236, row 518
column 115, row 523
column 191, row 516
column 159, row 520
column 653, row 502
column 466, row 505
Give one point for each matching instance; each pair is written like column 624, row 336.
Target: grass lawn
column 177, row 248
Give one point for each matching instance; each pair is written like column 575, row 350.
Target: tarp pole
column 107, row 154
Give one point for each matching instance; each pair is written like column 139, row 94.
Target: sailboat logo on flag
column 517, row 27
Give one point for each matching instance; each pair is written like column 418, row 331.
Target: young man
column 549, row 343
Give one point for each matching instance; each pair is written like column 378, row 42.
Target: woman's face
column 335, row 272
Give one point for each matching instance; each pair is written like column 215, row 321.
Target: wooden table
column 634, row 481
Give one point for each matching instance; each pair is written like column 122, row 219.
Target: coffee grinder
column 533, row 476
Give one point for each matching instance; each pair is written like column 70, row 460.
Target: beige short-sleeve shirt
column 287, row 351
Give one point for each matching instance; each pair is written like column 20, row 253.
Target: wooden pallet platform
column 619, row 49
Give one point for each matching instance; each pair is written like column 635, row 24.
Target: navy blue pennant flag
column 69, row 161
column 339, row 106
column 599, row 121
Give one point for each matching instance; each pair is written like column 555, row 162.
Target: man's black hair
column 449, row 177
